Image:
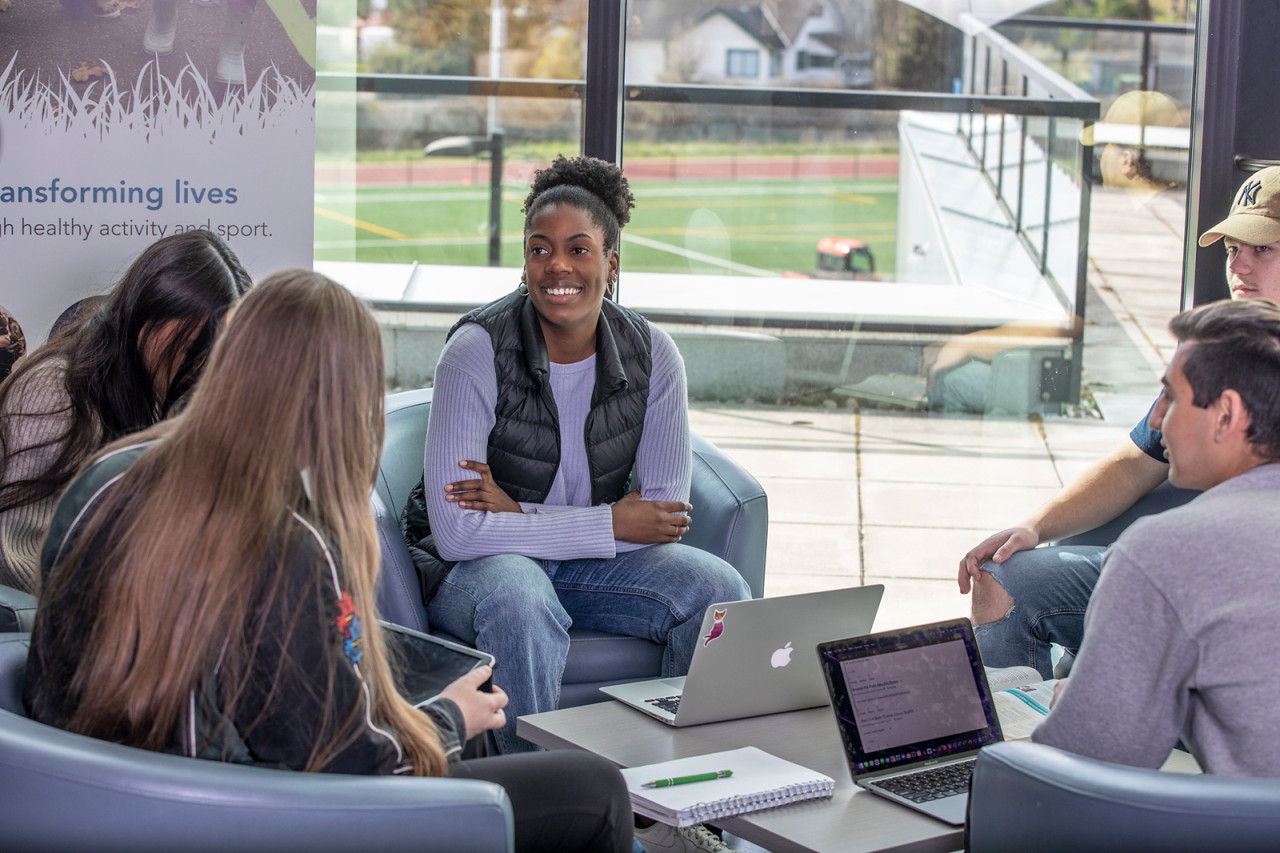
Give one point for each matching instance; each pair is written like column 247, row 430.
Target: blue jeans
column 1050, row 588
column 964, row 388
column 519, row 610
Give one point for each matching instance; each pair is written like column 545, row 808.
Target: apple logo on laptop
column 782, row 656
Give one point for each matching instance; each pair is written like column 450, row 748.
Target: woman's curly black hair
column 594, row 186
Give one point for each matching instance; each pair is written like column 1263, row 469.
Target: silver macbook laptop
column 913, row 708
column 754, row 658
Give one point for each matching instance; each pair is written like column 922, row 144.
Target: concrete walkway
column 876, row 496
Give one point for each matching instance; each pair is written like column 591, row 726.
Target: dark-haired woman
column 118, row 371
column 270, row 654
column 548, row 399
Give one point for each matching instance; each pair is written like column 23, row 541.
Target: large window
column 902, row 274
column 429, row 121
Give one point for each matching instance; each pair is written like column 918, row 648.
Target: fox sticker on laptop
column 717, row 627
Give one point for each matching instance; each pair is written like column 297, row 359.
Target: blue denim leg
column 964, row 388
column 659, row 593
column 506, row 606
column 1050, row 588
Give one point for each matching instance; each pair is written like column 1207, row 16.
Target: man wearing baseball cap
column 1251, row 233
column 1136, row 123
column 1027, row 598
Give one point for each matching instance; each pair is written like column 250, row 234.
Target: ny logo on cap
column 1249, row 193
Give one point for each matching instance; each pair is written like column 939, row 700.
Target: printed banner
column 123, row 121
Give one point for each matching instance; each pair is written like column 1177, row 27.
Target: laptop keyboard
column 670, row 704
column 933, row 783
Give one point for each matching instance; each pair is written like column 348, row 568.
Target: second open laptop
column 913, row 707
column 755, row 657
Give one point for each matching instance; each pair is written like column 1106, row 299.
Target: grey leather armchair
column 1026, row 796
column 64, row 792
column 730, row 519
column 17, row 610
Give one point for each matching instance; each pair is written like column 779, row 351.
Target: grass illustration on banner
column 153, row 106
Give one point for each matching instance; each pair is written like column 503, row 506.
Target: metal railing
column 993, row 63
column 845, row 99
column 984, row 111
column 1146, row 29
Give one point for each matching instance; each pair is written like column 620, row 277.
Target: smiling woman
column 567, row 272
column 571, row 240
column 568, row 415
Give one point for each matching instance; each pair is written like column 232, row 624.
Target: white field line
column 698, row 256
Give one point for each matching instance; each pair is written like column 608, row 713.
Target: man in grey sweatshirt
column 1180, row 632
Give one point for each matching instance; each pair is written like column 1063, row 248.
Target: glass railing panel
column 836, row 230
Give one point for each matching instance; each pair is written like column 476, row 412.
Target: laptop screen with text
column 902, row 697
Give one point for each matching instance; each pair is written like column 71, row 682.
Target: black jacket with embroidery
column 279, row 714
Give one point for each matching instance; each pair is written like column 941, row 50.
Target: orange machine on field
column 841, row 257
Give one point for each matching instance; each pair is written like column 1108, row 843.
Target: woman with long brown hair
column 120, row 369
column 211, row 601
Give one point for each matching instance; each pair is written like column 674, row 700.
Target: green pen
column 685, row 780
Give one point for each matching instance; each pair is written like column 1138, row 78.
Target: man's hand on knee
column 997, row 548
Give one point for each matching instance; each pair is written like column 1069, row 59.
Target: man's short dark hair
column 1236, row 346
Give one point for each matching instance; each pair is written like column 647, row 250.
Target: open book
column 1022, row 701
column 754, row 780
column 1021, row 697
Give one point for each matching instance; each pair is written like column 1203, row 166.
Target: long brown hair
column 178, row 564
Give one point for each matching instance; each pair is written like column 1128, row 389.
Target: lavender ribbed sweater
column 565, row 527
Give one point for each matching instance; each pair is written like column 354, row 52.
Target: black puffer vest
column 524, row 446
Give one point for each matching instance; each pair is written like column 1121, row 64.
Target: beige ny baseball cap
column 1255, row 214
column 1130, row 116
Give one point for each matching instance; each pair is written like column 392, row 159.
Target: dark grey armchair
column 1026, row 796
column 17, row 610
column 730, row 519
column 67, row 792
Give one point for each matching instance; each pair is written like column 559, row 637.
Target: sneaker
column 158, row 39
column 661, row 838
column 106, row 9
column 230, row 68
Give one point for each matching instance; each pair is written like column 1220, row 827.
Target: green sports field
column 738, row 227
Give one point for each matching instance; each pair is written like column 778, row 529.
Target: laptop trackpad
column 952, row 810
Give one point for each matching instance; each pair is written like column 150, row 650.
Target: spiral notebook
column 759, row 781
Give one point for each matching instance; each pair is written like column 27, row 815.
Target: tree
column 917, row 61
column 561, row 56
column 400, row 58
column 434, row 24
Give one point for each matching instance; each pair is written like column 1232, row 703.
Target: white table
column 853, row 820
